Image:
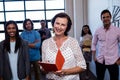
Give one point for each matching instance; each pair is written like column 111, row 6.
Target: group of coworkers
column 20, row 52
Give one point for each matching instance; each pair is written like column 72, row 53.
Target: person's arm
column 94, row 55
column 69, row 71
column 44, row 44
column 80, row 61
column 118, row 61
column 37, row 42
column 94, row 44
column 32, row 45
column 26, row 58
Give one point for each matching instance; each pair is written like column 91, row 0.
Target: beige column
column 77, row 10
column 69, row 10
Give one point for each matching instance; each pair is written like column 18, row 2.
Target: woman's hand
column 61, row 72
column 74, row 70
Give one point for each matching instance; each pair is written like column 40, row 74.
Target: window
column 35, row 5
column 35, row 15
column 17, row 16
column 1, row 17
column 19, row 10
column 58, row 4
column 1, row 6
column 14, row 6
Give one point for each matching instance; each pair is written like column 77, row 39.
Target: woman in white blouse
column 74, row 62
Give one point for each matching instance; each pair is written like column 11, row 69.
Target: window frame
column 25, row 11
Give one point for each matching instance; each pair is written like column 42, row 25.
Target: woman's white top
column 13, row 57
column 71, row 52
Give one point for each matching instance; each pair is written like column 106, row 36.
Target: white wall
column 94, row 10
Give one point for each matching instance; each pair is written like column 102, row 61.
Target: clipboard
column 48, row 67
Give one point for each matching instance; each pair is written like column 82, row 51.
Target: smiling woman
column 11, row 30
column 63, row 50
column 14, row 60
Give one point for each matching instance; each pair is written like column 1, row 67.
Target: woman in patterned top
column 74, row 62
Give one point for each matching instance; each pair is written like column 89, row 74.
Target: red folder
column 49, row 67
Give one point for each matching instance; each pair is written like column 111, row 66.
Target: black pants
column 112, row 69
